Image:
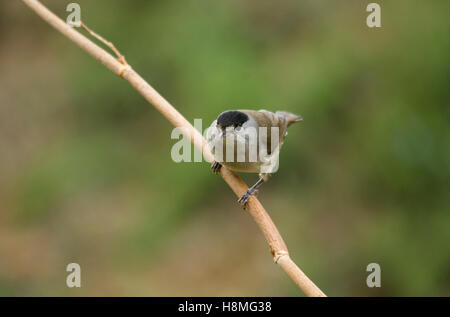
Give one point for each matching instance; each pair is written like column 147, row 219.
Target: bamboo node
column 279, row 255
column 123, row 70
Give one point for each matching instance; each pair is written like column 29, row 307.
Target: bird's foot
column 244, row 198
column 216, row 167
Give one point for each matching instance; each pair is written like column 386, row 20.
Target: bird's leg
column 251, row 191
column 216, row 167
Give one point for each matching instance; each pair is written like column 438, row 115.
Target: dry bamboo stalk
column 119, row 67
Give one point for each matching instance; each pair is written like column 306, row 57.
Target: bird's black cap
column 232, row 118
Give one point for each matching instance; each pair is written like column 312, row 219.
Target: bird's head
column 231, row 121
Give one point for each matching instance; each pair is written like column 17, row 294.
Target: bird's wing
column 270, row 120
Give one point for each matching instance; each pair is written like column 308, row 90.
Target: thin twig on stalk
column 277, row 246
column 120, row 57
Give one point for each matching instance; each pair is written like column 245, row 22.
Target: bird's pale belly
column 244, row 167
column 245, row 164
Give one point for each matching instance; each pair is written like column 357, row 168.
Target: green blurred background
column 86, row 174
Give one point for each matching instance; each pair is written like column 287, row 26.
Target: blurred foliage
column 86, row 174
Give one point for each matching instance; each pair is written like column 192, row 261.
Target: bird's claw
column 216, row 167
column 244, row 198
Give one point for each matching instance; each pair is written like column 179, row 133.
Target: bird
column 249, row 141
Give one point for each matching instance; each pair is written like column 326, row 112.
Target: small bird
column 249, row 141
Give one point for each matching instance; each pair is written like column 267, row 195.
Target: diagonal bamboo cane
column 277, row 246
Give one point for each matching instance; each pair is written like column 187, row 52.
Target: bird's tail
column 289, row 117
